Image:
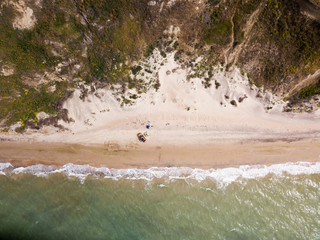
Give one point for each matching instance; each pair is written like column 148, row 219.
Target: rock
column 234, row 103
column 242, row 98
column 25, row 19
column 7, row 70
column 152, row 3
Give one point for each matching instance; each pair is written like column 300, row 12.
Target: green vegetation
column 103, row 38
column 309, row 91
column 242, row 13
column 206, row 83
column 296, row 38
column 136, row 69
column 30, row 102
column 126, row 38
column 290, row 38
column 163, row 54
column 23, row 48
column 126, row 101
column 219, row 33
column 214, row 2
column 149, row 50
column 217, row 84
column 26, row 52
column 176, row 44
column 109, row 31
column 177, row 55
column 117, row 37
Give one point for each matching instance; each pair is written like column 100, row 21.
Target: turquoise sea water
column 57, row 206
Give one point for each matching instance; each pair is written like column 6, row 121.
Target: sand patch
column 7, row 70
column 25, row 19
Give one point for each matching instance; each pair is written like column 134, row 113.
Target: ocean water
column 81, row 202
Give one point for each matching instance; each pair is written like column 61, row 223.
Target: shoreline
column 229, row 153
column 191, row 126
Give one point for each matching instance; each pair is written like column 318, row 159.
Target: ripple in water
column 270, row 206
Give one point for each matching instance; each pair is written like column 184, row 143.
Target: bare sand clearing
column 191, row 126
column 219, row 155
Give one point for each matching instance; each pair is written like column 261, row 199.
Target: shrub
column 219, row 33
column 217, row 84
column 149, row 50
column 32, row 101
column 309, row 91
column 163, row 54
column 136, row 69
column 175, row 45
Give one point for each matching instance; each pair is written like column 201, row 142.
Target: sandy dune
column 184, row 112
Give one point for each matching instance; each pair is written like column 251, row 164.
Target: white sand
column 211, row 134
column 210, row 118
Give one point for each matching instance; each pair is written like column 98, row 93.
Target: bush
column 220, row 33
column 217, row 84
column 163, row 54
column 177, row 55
column 136, row 69
column 32, row 101
column 175, row 45
column 149, row 51
column 309, row 91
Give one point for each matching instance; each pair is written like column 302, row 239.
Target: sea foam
column 223, row 175
column 4, row 166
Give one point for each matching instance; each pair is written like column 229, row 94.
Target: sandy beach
column 191, row 126
column 218, row 155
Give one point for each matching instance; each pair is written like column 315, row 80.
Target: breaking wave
column 224, row 175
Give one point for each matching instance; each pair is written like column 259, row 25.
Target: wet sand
column 229, row 153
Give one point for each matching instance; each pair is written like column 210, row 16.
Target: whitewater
column 224, row 175
column 279, row 201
